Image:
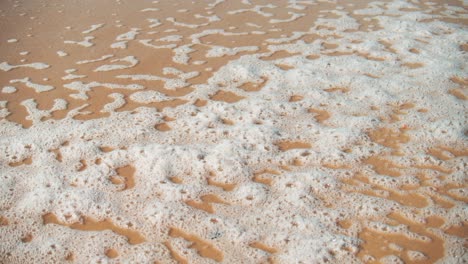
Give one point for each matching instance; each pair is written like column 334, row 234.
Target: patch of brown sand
column 88, row 224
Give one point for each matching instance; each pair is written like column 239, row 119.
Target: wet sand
column 233, row 131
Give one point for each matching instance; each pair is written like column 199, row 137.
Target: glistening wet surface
column 242, row 131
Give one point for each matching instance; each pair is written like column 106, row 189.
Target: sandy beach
column 243, row 131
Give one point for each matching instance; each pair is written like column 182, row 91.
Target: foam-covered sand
column 233, row 131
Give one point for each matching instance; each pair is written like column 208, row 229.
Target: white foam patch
column 171, row 38
column 124, row 38
column 300, row 5
column 179, row 73
column 373, row 9
column 294, row 36
column 36, row 115
column 253, row 25
column 82, row 88
column 196, row 37
column 293, row 17
column 102, row 58
column 214, row 4
column 146, row 97
column 154, row 22
column 131, row 60
column 119, row 45
column 212, row 18
column 169, row 83
column 5, row 66
column 39, row 88
column 147, row 43
column 62, row 53
column 85, row 43
column 181, row 55
column 93, row 28
column 256, row 9
column 344, row 22
column 179, row 24
column 130, row 35
column 219, row 51
column 71, row 76
column 3, row 109
column 8, row 89
column 151, row 9
column 118, row 102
